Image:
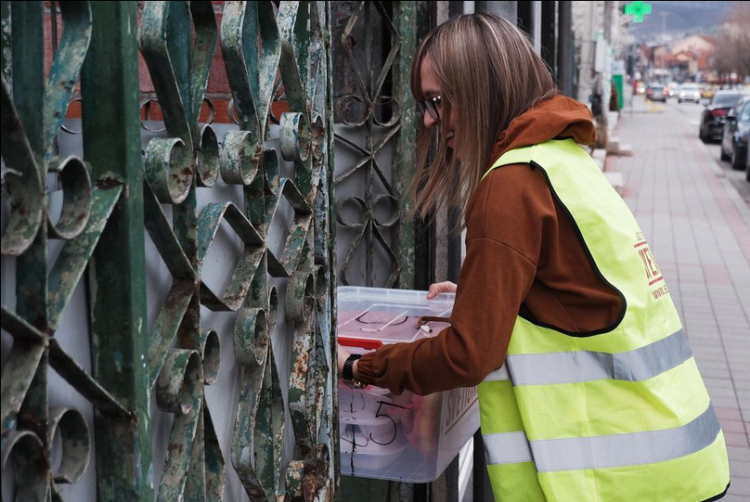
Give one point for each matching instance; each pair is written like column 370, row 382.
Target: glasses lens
column 430, row 107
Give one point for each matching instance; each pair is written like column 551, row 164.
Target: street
column 688, row 115
column 695, row 212
column 692, row 115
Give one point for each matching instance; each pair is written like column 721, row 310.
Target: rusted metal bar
column 6, row 42
column 175, row 167
column 26, row 407
column 405, row 155
column 118, row 314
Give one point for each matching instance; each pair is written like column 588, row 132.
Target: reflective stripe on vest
column 583, row 366
column 599, row 452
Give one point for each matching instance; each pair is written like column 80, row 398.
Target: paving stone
column 738, row 440
column 741, row 454
column 740, row 486
column 739, row 469
column 733, row 426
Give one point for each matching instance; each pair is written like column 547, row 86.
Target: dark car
column 736, row 134
column 747, row 166
column 715, row 114
column 656, row 92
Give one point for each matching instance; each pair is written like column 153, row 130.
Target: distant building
column 691, row 62
column 695, row 44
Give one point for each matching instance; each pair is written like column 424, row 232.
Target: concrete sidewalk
column 699, row 230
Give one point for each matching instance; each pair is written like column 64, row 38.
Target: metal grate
column 111, row 194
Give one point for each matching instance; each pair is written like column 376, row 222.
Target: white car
column 689, row 92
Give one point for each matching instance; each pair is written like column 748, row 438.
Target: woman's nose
column 429, row 121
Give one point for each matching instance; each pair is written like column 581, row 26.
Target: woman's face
column 431, row 89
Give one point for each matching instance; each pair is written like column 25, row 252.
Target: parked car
column 747, row 168
column 657, row 92
column 689, row 92
column 715, row 114
column 672, row 89
column 736, row 134
column 640, row 88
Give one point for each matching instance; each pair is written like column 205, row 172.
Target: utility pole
column 663, row 24
column 604, row 79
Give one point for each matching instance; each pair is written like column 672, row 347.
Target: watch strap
column 348, row 372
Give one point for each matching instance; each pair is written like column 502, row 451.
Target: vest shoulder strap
column 528, row 153
column 516, row 156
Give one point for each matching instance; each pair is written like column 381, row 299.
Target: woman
column 587, row 388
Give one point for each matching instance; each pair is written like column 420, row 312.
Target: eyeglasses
column 431, row 106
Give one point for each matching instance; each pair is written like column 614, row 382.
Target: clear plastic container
column 408, row 437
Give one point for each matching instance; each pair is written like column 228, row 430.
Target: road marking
column 694, row 122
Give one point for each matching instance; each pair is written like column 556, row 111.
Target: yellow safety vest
column 620, row 414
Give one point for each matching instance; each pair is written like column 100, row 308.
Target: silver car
column 689, row 92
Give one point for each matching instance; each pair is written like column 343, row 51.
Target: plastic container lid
column 388, row 315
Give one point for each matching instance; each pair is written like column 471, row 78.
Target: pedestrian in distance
column 588, row 390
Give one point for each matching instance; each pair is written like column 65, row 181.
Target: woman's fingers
column 441, row 287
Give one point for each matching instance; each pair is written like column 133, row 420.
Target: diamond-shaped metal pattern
column 378, row 124
column 177, row 357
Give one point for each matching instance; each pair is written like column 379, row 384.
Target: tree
column 733, row 48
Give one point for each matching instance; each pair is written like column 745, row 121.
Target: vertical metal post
column 536, row 23
column 549, row 49
column 6, row 43
column 31, row 267
column 119, row 349
column 565, row 48
column 404, row 164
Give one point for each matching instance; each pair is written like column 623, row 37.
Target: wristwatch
column 347, row 373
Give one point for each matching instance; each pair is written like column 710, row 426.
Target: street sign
column 638, row 10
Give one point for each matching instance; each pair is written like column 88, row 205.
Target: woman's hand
column 343, row 356
column 441, row 287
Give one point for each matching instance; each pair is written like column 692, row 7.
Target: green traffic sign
column 638, row 10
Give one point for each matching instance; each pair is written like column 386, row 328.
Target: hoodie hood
column 556, row 118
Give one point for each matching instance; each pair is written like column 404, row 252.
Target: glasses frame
column 431, row 106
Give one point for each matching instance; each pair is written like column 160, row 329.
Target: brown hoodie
column 523, row 257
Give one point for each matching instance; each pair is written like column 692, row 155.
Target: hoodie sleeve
column 505, row 221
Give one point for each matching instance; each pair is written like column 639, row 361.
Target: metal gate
column 376, row 126
column 74, row 228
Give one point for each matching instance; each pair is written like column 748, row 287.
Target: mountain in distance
column 681, row 18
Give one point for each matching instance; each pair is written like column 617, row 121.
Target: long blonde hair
column 488, row 69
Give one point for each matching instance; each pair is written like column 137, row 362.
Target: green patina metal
column 110, row 198
column 113, row 193
column 23, row 180
column 118, row 315
column 30, row 122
